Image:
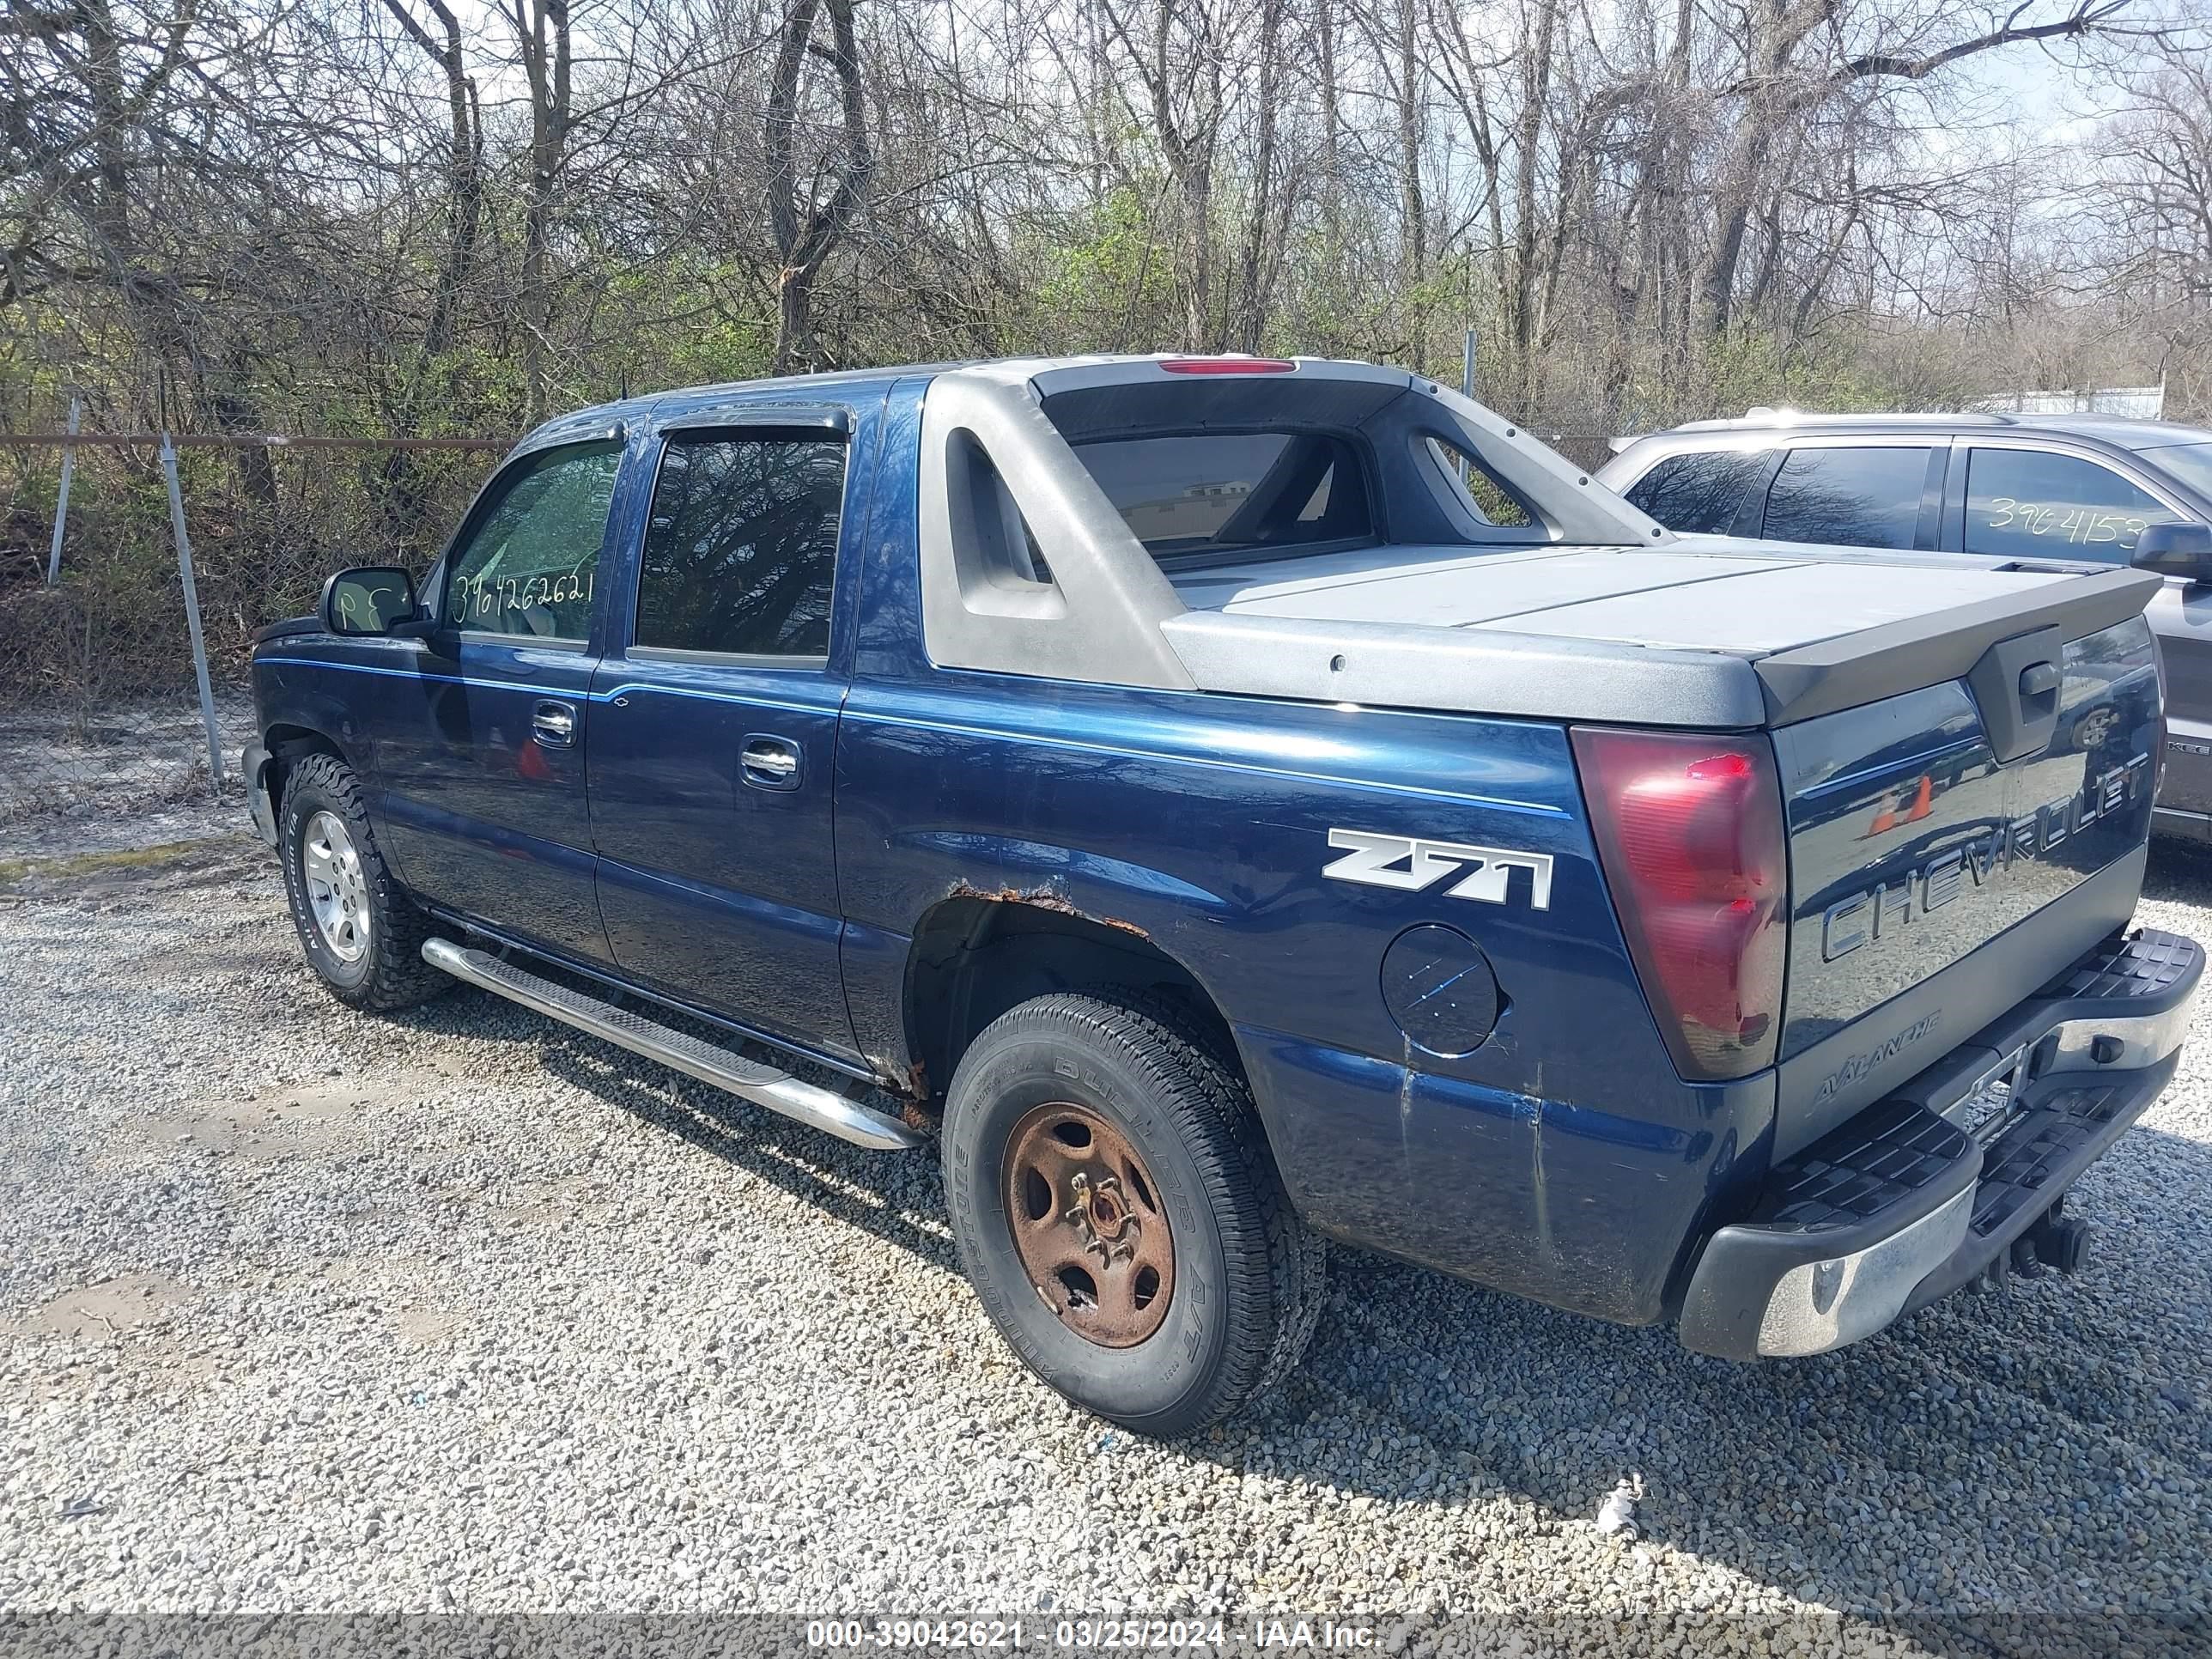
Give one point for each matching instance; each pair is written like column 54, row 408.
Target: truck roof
column 1067, row 371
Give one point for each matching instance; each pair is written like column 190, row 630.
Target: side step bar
column 820, row 1108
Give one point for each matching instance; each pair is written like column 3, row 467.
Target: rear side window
column 1233, row 491
column 742, row 545
column 2028, row 503
column 1848, row 497
column 1699, row 495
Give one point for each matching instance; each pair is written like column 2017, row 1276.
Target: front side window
column 742, row 545
column 2027, row 503
column 1699, row 495
column 1848, row 497
column 1233, row 491
column 2191, row 463
column 529, row 566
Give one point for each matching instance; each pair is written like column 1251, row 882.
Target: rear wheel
column 361, row 934
column 1120, row 1216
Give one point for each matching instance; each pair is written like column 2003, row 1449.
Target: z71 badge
column 1402, row 862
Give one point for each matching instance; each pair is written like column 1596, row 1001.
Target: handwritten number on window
column 2075, row 526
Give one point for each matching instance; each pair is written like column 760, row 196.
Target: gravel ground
column 115, row 777
column 308, row 1311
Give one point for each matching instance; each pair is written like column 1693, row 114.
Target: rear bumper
column 2180, row 823
column 1923, row 1191
column 2183, row 808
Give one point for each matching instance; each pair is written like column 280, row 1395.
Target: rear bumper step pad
column 1917, row 1195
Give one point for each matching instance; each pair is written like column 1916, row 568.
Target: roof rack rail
column 1765, row 415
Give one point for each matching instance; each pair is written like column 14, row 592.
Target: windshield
column 2191, row 463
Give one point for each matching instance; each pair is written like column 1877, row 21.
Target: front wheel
column 361, row 934
column 1120, row 1216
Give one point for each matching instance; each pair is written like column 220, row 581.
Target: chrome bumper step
column 808, row 1103
column 1926, row 1191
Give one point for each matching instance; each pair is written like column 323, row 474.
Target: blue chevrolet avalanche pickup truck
column 1227, row 804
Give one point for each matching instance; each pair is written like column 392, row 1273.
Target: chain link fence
column 99, row 708
column 1585, row 445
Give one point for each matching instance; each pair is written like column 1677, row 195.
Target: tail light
column 1690, row 831
column 1229, row 364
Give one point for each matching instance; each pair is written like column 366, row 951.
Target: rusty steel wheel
column 1088, row 1226
column 1075, row 1126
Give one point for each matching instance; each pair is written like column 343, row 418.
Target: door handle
column 553, row 724
column 769, row 763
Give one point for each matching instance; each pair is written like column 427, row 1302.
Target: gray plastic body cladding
column 1102, row 623
column 1102, row 617
column 1396, row 664
column 1458, row 586
column 2017, row 719
column 1427, row 638
column 1109, row 616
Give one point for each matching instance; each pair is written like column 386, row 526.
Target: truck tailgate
column 1958, row 822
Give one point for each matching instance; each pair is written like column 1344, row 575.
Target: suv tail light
column 1690, row 831
column 1230, row 363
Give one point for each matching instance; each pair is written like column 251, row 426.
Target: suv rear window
column 1699, row 495
column 1233, row 491
column 1866, row 497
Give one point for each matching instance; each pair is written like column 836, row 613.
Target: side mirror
column 2175, row 550
column 370, row 599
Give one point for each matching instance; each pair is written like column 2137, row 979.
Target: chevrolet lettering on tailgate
column 1868, row 915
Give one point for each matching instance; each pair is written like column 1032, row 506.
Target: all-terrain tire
column 1247, row 1276
column 388, row 972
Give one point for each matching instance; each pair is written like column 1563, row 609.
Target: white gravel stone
column 302, row 1310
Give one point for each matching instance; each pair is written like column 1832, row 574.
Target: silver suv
column 2031, row 489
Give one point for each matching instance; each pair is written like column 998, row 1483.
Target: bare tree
column 464, row 168
column 809, row 222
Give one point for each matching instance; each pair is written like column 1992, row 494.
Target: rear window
column 740, row 549
column 1233, row 491
column 1699, row 495
column 1848, row 497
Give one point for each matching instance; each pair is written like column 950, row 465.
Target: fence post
column 61, row 505
column 1467, row 391
column 192, row 613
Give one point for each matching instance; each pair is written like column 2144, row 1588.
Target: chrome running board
column 808, row 1103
